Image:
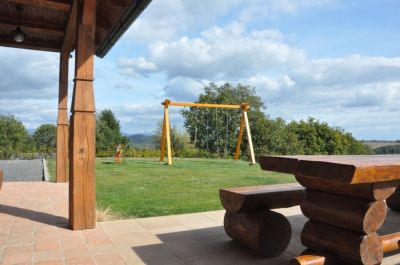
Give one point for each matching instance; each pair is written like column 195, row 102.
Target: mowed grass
column 147, row 187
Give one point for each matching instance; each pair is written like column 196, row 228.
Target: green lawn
column 147, row 187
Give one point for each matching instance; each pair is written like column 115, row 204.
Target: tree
column 44, row 138
column 319, row 138
column 180, row 142
column 13, row 136
column 108, row 132
column 216, row 130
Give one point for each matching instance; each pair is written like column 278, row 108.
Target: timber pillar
column 82, row 192
column 62, row 121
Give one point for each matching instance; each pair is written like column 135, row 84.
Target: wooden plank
column 341, row 169
column 280, row 164
column 70, row 31
column 369, row 191
column 203, row 105
column 51, row 4
column 83, row 124
column 62, row 121
column 256, row 198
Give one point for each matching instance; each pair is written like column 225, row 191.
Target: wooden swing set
column 166, row 129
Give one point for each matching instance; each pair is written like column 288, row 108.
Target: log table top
column 338, row 169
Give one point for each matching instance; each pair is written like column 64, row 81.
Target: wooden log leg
column 345, row 225
column 351, row 247
column 266, row 232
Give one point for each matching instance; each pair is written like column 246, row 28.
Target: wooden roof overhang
column 50, row 25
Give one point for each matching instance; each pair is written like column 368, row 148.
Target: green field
column 147, row 187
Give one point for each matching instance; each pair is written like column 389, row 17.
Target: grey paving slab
column 22, row 170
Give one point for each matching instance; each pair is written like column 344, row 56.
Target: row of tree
column 207, row 131
column 16, row 141
column 216, row 130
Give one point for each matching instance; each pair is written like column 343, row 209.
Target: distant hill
column 374, row 144
column 141, row 140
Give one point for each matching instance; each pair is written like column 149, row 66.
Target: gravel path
column 22, row 170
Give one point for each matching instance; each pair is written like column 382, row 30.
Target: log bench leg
column 344, row 226
column 266, row 232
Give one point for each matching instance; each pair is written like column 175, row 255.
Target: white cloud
column 258, row 9
column 221, row 53
column 184, row 89
column 168, row 19
column 136, row 66
column 33, row 112
column 291, row 85
column 27, row 74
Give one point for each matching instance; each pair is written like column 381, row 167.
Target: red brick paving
column 33, row 229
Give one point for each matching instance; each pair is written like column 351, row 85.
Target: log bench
column 250, row 221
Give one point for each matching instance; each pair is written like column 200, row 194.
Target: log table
column 345, row 204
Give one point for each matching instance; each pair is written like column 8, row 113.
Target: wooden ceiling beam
column 70, row 31
column 30, row 44
column 32, row 25
column 52, row 4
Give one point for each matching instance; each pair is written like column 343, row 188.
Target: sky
column 335, row 60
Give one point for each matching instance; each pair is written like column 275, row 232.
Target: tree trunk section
column 349, row 213
column 267, row 232
column 352, row 247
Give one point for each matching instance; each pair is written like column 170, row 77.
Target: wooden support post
column 168, row 132
column 240, row 137
column 82, row 205
column 1, row 178
column 62, row 121
column 246, row 120
column 163, row 135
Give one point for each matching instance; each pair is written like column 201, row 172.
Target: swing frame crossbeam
column 166, row 128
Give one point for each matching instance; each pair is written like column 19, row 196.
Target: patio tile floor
column 33, row 230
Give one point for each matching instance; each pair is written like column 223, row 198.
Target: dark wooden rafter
column 70, row 31
column 32, row 25
column 52, row 4
column 30, row 44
